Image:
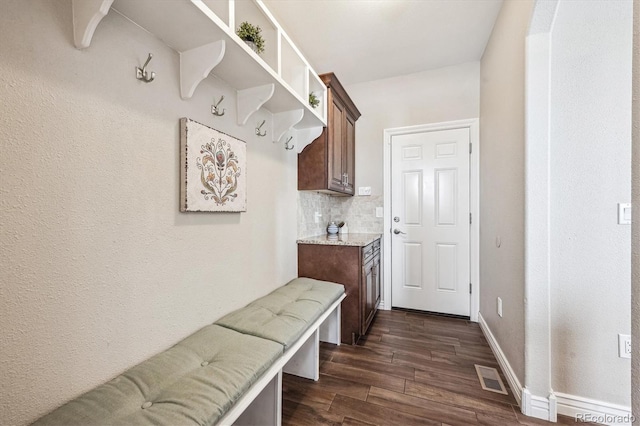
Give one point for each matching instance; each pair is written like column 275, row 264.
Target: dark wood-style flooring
column 411, row 369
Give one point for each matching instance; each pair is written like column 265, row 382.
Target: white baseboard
column 547, row 408
column 531, row 405
column 592, row 410
column 539, row 406
column 512, row 379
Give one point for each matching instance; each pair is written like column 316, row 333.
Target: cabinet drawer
column 367, row 253
column 370, row 250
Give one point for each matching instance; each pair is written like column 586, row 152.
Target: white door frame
column 474, row 205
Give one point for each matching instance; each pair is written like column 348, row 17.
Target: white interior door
column 430, row 221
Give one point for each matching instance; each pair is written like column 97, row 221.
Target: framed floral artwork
column 213, row 170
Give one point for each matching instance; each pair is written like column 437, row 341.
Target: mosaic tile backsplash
column 359, row 213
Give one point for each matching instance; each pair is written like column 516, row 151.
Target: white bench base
column 262, row 403
column 266, row 408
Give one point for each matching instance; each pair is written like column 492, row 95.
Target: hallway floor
column 411, row 369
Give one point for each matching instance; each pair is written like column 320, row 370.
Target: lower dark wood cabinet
column 358, row 269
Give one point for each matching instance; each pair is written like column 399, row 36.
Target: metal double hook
column 215, row 110
column 142, row 74
column 286, row 144
column 260, row 127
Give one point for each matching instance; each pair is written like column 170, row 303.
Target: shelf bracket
column 284, row 121
column 87, row 14
column 250, row 100
column 196, row 64
column 306, row 136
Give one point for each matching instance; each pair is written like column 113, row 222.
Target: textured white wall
column 99, row 269
column 444, row 94
column 635, row 238
column 590, row 173
column 502, row 180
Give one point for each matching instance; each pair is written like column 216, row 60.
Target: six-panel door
column 430, row 221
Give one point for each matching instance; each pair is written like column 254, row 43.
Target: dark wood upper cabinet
column 328, row 163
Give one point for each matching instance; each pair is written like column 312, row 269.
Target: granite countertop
column 359, row 240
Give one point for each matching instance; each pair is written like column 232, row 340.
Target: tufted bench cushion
column 194, row 382
column 285, row 314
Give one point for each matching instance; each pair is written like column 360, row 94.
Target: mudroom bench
column 229, row 372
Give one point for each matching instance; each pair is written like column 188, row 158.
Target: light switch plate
column 624, row 213
column 364, row 190
column 379, row 212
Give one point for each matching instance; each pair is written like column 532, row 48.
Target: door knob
column 397, row 231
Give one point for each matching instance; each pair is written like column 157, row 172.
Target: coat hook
column 286, row 144
column 258, row 130
column 143, row 74
column 214, row 108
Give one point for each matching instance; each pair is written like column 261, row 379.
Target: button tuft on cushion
column 284, row 314
column 184, row 394
column 204, row 363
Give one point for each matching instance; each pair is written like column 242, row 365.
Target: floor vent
column 490, row 379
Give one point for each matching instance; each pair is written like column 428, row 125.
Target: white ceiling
column 364, row 40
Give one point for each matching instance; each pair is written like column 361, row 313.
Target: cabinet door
column 336, row 150
column 349, row 164
column 377, row 281
column 369, row 295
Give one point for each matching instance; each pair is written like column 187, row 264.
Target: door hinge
column 470, row 219
column 470, row 147
column 470, row 287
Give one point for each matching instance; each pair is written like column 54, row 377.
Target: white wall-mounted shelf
column 203, row 32
column 87, row 14
column 251, row 100
column 196, row 64
column 285, row 121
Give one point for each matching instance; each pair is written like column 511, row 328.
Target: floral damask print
column 219, row 171
column 213, row 170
